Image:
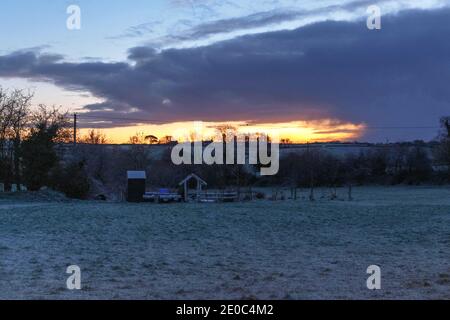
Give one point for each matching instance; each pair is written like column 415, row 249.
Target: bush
column 38, row 157
column 72, row 180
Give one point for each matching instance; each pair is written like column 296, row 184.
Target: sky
column 310, row 70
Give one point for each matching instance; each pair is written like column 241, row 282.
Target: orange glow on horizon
column 295, row 131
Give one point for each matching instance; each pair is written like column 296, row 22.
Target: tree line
column 32, row 153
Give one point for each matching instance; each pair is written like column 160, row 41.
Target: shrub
column 72, row 180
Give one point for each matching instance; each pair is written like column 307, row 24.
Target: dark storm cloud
column 341, row 70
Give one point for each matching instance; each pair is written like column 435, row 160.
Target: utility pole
column 74, row 129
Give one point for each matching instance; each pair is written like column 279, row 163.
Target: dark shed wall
column 136, row 190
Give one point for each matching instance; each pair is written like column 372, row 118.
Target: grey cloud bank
column 335, row 70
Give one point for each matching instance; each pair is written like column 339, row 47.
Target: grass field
column 255, row 250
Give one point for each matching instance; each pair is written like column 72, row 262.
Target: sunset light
column 288, row 132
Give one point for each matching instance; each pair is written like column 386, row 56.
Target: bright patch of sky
column 111, row 27
column 51, row 95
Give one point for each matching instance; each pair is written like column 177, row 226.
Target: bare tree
column 21, row 104
column 53, row 119
column 443, row 151
column 166, row 140
column 14, row 116
column 96, row 156
column 226, row 131
column 138, row 138
column 311, row 169
column 137, row 155
column 94, row 137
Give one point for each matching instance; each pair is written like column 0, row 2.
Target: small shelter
column 200, row 184
column 136, row 186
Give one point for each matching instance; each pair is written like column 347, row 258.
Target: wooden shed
column 136, row 186
column 200, row 184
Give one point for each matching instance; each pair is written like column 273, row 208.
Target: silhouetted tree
column 152, row 139
column 38, row 152
column 443, row 151
column 419, row 165
column 94, row 137
column 14, row 112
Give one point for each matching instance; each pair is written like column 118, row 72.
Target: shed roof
column 136, row 175
column 193, row 176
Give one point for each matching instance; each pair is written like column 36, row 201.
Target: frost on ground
column 256, row 250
